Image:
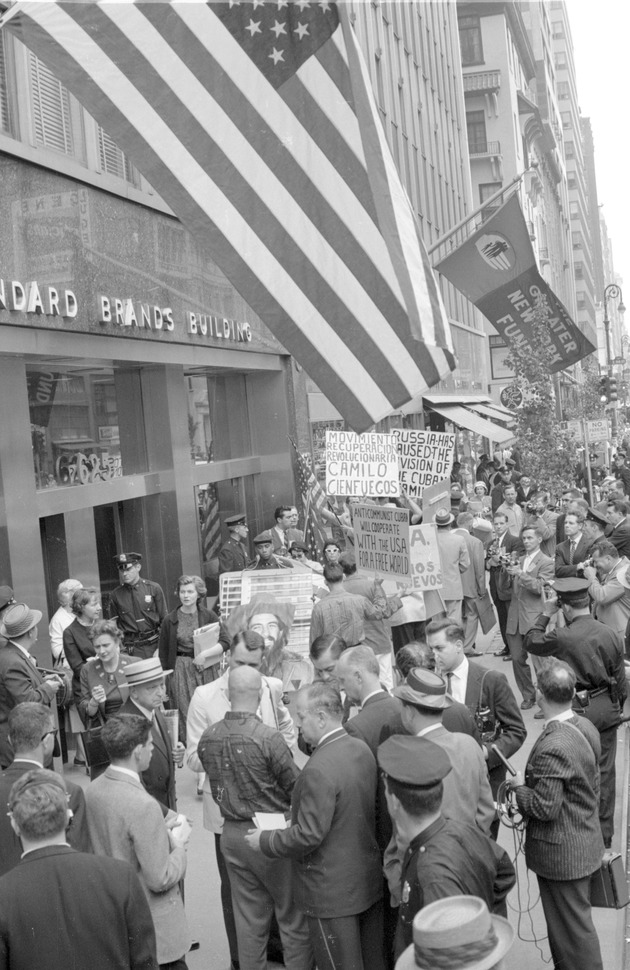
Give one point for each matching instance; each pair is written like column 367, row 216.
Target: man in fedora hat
column 20, row 679
column 6, row 599
column 146, row 696
column 233, row 553
column 137, row 605
column 454, row 560
column 459, row 929
column 444, row 857
column 594, row 651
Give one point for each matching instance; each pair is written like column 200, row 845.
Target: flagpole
column 475, row 212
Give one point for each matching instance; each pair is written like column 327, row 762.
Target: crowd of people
column 355, row 820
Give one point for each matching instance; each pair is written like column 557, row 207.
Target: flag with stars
column 256, row 123
column 313, row 501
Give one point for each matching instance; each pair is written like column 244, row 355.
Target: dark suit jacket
column 500, row 581
column 159, row 778
column 560, row 800
column 19, row 681
column 47, row 914
column 498, row 696
column 620, row 538
column 563, row 552
column 10, row 845
column 560, row 536
column 336, row 860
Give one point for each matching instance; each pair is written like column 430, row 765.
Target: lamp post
column 611, row 292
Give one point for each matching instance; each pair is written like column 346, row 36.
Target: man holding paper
column 252, row 775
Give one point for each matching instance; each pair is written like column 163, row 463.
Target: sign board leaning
column 361, row 464
column 434, row 497
column 597, row 429
column 425, row 457
column 424, row 556
column 381, row 541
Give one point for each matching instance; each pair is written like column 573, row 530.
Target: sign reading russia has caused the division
column 424, row 557
column 381, row 540
column 424, row 458
column 361, row 464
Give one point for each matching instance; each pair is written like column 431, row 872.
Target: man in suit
column 146, row 696
column 454, row 560
column 473, row 581
column 443, row 857
column 49, row 900
column 617, row 514
column 500, row 482
column 504, row 544
column 209, row 704
column 528, row 578
column 568, row 496
column 19, row 678
column 233, row 554
column 558, row 796
column 595, row 654
column 480, row 689
column 575, row 549
column 331, row 840
column 608, row 586
column 125, row 822
column 33, row 735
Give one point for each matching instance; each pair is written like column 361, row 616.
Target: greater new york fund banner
column 496, row 269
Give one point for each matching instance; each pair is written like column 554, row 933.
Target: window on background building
column 113, row 161
column 560, row 59
column 218, row 417
column 566, row 119
column 564, row 91
column 557, row 30
column 569, row 149
column 476, row 129
column 470, row 40
column 488, row 189
column 54, row 113
column 74, row 424
column 6, row 112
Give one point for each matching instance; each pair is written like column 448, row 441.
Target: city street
column 530, row 950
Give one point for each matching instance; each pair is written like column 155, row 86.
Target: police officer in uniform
column 233, row 553
column 265, row 558
column 444, row 857
column 595, row 653
column 138, row 606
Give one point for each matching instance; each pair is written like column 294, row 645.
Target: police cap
column 413, row 761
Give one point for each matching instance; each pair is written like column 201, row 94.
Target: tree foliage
column 547, row 453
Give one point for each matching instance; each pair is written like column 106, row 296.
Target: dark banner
column 496, row 269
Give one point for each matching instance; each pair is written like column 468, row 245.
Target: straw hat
column 18, row 620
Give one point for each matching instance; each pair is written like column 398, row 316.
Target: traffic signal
column 603, row 389
column 612, row 389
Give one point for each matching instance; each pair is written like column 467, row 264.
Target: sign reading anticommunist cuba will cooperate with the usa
column 361, row 464
column 425, row 457
column 381, row 541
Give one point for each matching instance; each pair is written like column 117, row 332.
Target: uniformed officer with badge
column 138, row 606
column 444, row 857
column 233, row 553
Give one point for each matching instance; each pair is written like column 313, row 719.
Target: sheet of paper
column 270, row 820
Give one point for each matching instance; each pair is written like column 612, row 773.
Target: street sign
column 511, row 396
column 598, row 429
column 575, row 427
column 619, row 360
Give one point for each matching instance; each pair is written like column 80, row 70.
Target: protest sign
column 361, row 464
column 435, row 497
column 424, row 557
column 381, row 541
column 424, row 457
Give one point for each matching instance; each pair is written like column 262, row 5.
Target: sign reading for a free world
column 381, row 541
column 425, row 457
column 424, row 556
column 361, row 464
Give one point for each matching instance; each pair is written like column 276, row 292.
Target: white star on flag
column 253, row 27
column 301, row 30
column 276, row 56
column 278, row 29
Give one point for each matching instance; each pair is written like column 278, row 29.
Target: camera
column 487, row 724
column 534, row 509
column 588, row 562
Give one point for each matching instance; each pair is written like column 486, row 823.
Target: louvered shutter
column 51, row 109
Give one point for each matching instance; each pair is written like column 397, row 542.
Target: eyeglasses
column 54, row 731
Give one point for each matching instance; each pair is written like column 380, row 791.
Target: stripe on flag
column 257, row 125
column 313, row 501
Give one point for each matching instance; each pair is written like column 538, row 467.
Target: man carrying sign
column 344, row 614
column 455, row 560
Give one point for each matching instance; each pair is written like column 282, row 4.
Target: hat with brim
column 18, row 620
column 145, row 672
column 233, row 520
column 425, row 689
column 262, row 538
column 443, row 517
column 127, row 558
column 594, row 516
column 457, row 932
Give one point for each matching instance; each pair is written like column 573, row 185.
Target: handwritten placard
column 381, row 541
column 425, row 457
column 361, row 465
column 424, row 557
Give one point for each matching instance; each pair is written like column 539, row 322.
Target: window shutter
column 51, row 109
column 113, row 160
column 6, row 121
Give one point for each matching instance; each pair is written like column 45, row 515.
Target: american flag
column 313, row 501
column 210, row 523
column 257, row 124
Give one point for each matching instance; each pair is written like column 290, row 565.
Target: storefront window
column 74, row 425
column 218, row 418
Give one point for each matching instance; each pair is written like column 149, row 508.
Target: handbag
column 64, row 697
column 96, row 756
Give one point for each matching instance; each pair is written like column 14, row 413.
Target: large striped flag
column 257, row 124
column 313, row 501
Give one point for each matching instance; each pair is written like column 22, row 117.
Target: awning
column 466, row 418
column 490, row 411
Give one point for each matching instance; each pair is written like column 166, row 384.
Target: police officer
column 265, row 558
column 138, row 606
column 444, row 857
column 233, row 553
column 595, row 653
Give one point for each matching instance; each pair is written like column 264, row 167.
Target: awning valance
column 466, row 418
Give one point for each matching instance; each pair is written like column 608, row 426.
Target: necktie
column 571, row 552
column 449, row 682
